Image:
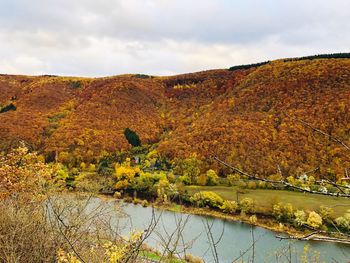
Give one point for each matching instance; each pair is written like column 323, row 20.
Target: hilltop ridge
column 247, row 116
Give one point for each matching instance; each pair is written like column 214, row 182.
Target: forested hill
column 251, row 116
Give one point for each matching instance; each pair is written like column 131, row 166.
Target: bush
column 326, row 213
column 253, row 219
column 343, row 222
column 128, row 199
column 35, row 232
column 202, row 179
column 209, row 178
column 241, row 184
column 212, row 177
column 283, row 212
column 89, row 183
column 91, row 168
column 61, row 176
column 74, row 172
column 117, row 195
column 193, row 259
column 229, row 207
column 262, row 185
column 144, row 203
column 171, row 178
column 185, row 179
column 207, row 198
column 162, row 187
column 251, row 185
column 104, row 168
column 25, row 236
column 137, row 201
column 300, row 217
column 232, row 179
column 247, row 205
column 314, row 220
column 149, row 182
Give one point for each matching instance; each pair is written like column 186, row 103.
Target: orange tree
column 23, row 172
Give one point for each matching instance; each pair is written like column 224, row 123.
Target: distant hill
column 248, row 115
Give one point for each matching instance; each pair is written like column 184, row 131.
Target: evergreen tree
column 132, row 137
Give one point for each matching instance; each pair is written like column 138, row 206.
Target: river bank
column 268, row 222
column 237, row 233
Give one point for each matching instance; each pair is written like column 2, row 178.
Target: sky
column 164, row 37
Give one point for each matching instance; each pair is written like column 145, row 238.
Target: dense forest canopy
column 249, row 116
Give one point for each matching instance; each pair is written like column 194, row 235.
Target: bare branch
column 211, row 240
column 281, row 182
column 59, row 219
column 333, row 138
column 314, row 236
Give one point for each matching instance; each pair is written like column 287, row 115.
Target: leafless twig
column 281, row 182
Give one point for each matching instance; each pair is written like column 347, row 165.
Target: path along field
column 266, row 198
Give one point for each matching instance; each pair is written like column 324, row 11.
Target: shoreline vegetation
column 264, row 221
column 259, row 203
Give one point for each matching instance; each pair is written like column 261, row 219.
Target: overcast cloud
column 162, row 37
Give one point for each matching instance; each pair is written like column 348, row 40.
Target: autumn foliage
column 247, row 117
column 23, row 172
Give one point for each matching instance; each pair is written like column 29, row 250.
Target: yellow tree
column 125, row 174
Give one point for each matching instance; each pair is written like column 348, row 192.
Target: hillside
column 246, row 116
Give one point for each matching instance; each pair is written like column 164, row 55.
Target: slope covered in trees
column 250, row 117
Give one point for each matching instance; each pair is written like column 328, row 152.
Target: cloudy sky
column 163, row 37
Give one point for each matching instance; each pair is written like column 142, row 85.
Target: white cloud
column 107, row 37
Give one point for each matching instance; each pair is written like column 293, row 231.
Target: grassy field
column 154, row 257
column 266, row 198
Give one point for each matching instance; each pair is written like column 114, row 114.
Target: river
column 233, row 238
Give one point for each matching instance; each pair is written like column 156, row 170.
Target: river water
column 234, row 239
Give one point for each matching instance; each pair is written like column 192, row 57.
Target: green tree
column 132, row 137
column 8, row 107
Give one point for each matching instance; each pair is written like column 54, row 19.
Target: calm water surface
column 234, row 238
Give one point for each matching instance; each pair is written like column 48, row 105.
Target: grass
column 266, row 198
column 155, row 257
